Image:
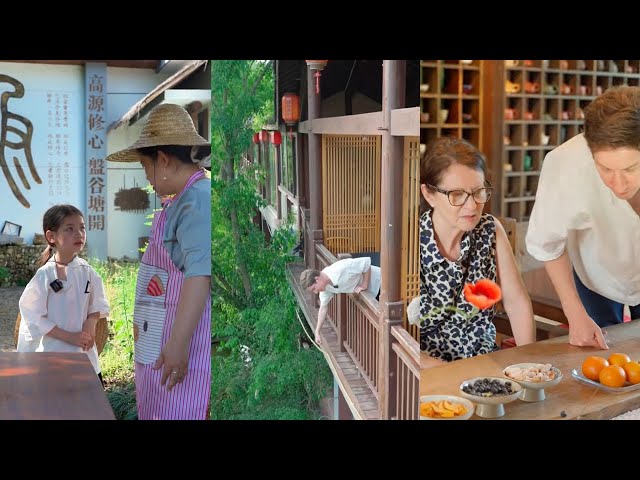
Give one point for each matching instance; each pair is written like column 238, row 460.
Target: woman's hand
column 81, row 339
column 584, row 332
column 174, row 361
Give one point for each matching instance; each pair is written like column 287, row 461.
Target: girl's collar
column 63, row 264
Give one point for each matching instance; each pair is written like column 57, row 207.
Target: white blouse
column 346, row 275
column 576, row 211
column 41, row 308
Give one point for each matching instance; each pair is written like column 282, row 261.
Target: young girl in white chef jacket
column 63, row 302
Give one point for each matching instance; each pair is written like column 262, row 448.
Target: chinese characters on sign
column 58, row 164
column 19, row 151
column 96, row 118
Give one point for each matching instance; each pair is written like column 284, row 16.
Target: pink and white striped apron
column 157, row 293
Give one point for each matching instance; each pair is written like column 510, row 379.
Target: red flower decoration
column 483, row 294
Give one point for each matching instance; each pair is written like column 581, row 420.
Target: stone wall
column 19, row 262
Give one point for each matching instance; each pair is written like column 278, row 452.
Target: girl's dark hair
column 52, row 220
column 181, row 152
column 443, row 152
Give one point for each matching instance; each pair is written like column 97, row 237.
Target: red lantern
column 256, row 138
column 276, row 138
column 318, row 66
column 290, row 110
column 264, row 136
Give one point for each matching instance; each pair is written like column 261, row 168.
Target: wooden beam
column 405, row 122
column 151, row 64
column 493, row 95
column 393, row 95
column 315, row 157
column 362, row 124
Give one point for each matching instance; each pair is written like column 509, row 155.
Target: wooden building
column 346, row 173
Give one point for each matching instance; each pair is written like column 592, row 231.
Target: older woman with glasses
column 459, row 245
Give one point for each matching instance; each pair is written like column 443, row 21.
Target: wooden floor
column 352, row 384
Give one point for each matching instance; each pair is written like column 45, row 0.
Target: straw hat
column 168, row 124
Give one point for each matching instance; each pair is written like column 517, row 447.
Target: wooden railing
column 357, row 321
column 362, row 342
column 405, row 375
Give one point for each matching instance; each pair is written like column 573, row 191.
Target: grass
column 116, row 359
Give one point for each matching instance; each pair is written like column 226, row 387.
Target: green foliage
column 261, row 370
column 4, row 274
column 123, row 401
column 120, row 286
column 116, row 360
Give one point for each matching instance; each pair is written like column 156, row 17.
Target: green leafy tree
column 262, row 368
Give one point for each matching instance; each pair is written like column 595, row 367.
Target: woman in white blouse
column 585, row 224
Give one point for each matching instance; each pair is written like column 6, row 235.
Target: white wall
column 125, row 86
column 38, row 81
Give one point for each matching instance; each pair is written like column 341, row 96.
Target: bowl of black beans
column 490, row 394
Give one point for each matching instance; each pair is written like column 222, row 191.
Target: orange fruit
column 592, row 366
column 632, row 369
column 619, row 359
column 613, row 376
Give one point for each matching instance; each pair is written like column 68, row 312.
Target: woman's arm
column 175, row 353
column 583, row 331
column 515, row 298
column 364, row 283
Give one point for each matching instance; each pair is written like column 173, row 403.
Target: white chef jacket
column 576, row 211
column 41, row 308
column 347, row 274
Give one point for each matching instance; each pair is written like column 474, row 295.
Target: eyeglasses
column 457, row 198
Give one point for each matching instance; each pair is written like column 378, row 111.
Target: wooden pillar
column 393, row 95
column 302, row 170
column 278, row 163
column 315, row 167
column 492, row 134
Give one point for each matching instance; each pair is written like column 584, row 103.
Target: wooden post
column 492, row 135
column 302, row 170
column 396, row 313
column 393, row 95
column 278, row 163
column 341, row 321
column 315, row 167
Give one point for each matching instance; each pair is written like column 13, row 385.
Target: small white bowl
column 492, row 407
column 450, row 398
column 534, row 391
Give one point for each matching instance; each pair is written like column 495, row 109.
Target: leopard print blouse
column 449, row 335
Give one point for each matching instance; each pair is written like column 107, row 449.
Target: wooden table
column 576, row 399
column 51, row 386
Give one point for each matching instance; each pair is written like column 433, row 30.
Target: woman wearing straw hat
column 172, row 313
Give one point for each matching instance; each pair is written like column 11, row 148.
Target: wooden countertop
column 576, row 399
column 51, row 386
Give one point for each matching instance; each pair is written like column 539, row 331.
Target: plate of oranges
column 616, row 373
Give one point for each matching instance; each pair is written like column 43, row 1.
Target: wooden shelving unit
column 540, row 105
column 515, row 112
column 450, row 100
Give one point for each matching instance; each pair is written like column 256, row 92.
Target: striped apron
column 157, row 293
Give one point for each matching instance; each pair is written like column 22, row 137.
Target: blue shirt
column 187, row 233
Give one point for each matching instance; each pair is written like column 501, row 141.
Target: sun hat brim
column 131, row 153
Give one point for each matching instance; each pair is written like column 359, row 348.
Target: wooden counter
column 51, row 386
column 576, row 399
